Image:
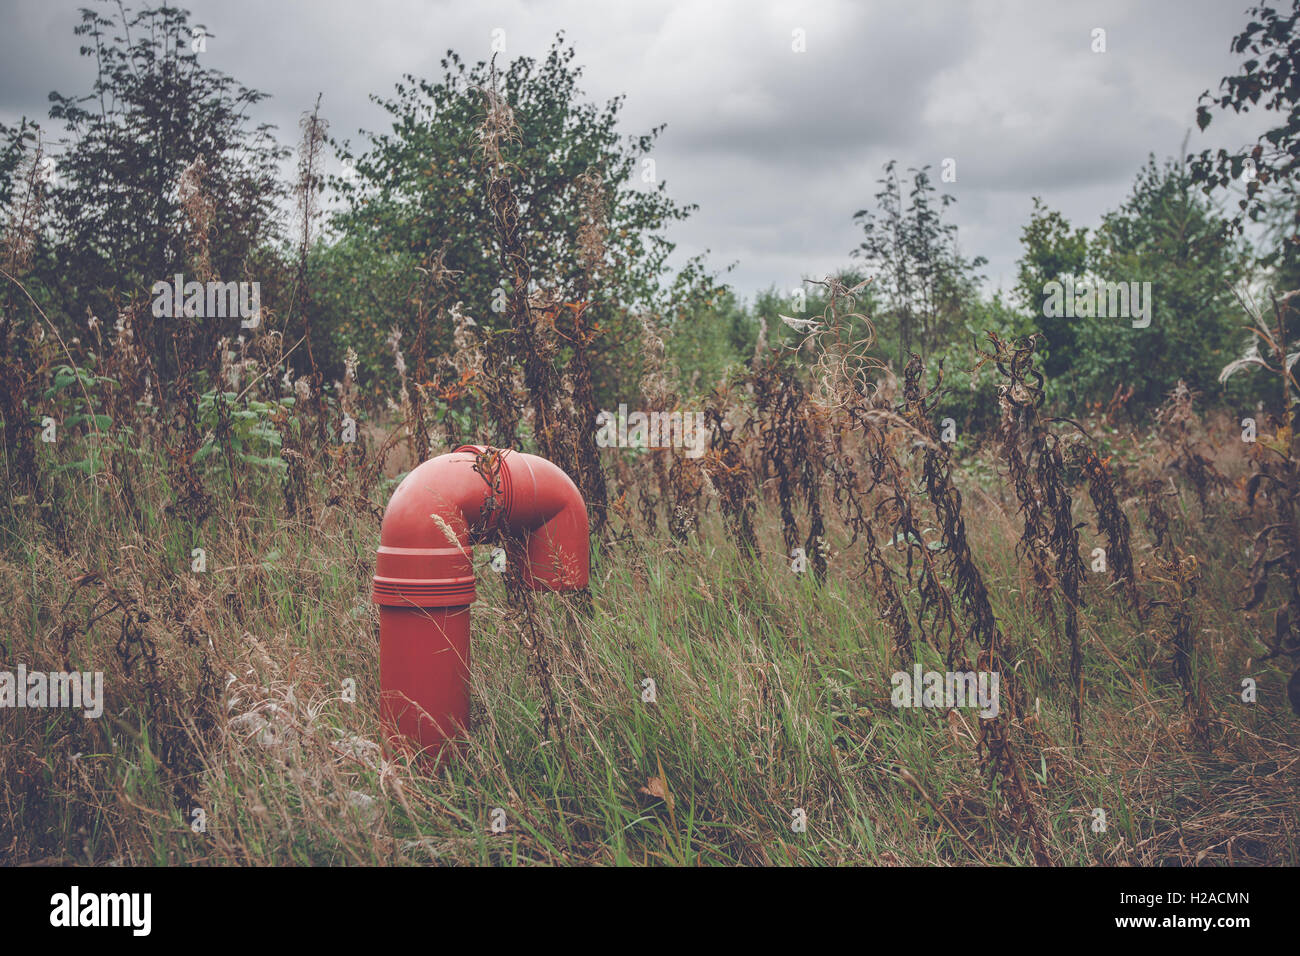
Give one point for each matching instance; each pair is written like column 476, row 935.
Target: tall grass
column 228, row 693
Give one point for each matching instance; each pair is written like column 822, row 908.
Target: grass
column 771, row 695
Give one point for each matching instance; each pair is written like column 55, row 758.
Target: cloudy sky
column 777, row 147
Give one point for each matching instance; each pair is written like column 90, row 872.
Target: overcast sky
column 778, row 148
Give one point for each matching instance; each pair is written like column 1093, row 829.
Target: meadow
column 242, row 722
column 212, row 381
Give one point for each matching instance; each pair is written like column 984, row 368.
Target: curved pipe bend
column 424, row 573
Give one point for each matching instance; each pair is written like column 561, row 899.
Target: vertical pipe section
column 424, row 576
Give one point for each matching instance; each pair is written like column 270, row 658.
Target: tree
column 22, row 196
column 14, row 143
column 921, row 275
column 155, row 117
column 419, row 194
column 1271, row 167
column 1053, row 250
column 1168, row 234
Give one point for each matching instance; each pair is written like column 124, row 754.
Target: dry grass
column 227, row 693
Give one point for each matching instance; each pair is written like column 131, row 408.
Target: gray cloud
column 778, row 148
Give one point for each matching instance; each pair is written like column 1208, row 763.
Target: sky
column 779, row 115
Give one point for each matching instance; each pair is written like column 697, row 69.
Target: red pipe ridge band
column 424, row 582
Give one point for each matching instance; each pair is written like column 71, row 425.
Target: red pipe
column 424, row 580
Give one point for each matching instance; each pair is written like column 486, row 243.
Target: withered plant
column 580, row 331
column 184, row 437
column 1179, row 573
column 486, row 529
column 1050, row 539
column 1112, row 522
column 791, row 454
column 1276, row 477
column 1185, row 454
column 435, row 286
column 532, row 345
column 730, row 472
column 307, row 192
column 934, row 574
